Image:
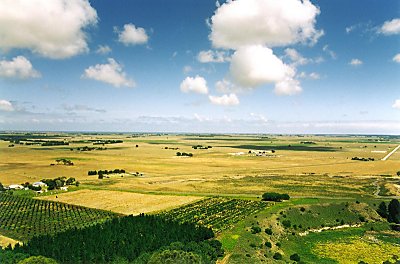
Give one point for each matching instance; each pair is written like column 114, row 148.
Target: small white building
column 16, row 187
column 39, row 184
column 64, row 188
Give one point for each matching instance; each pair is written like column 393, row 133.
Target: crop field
column 24, row 218
column 215, row 213
column 335, row 185
column 121, row 202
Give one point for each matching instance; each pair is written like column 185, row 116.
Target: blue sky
column 244, row 66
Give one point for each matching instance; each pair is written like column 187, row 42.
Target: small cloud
column 103, row 49
column 187, row 69
column 330, row 52
column 355, row 62
column 225, row 86
column 314, row 76
column 81, row 108
column 197, row 85
column 296, row 57
column 132, row 35
column 396, row 104
column 391, row 27
column 212, row 56
column 6, row 106
column 225, row 100
column 201, row 118
column 18, row 68
column 111, row 73
column 259, row 117
column 174, row 54
column 396, row 58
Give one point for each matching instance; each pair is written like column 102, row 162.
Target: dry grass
column 5, row 241
column 213, row 170
column 122, row 202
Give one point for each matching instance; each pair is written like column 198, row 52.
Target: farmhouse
column 16, row 187
column 39, row 184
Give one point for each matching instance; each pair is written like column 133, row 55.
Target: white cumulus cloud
column 356, row 62
column 6, row 106
column 225, row 100
column 396, row 104
column 212, row 56
column 111, row 73
column 396, row 58
column 132, row 35
column 194, row 84
column 18, row 68
column 391, row 27
column 264, row 22
column 53, row 29
column 253, row 66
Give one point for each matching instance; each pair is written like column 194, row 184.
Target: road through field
column 390, row 154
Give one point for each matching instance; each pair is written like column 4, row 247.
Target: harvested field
column 122, row 202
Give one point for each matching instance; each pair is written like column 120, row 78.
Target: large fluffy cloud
column 18, row 68
column 391, row 27
column 6, row 106
column 111, row 73
column 132, row 35
column 194, row 84
column 53, row 29
column 264, row 22
column 252, row 66
column 225, row 100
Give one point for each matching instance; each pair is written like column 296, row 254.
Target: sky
column 243, row 66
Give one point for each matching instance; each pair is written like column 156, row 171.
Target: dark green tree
column 394, row 211
column 382, row 210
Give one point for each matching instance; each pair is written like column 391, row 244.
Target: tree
column 70, row 181
column 175, row 256
column 394, row 211
column 1, row 187
column 398, row 173
column 295, row 257
column 382, row 210
column 38, row 260
column 277, row 256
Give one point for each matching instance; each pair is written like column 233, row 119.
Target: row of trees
column 362, row 159
column 276, row 197
column 105, row 172
column 59, row 182
column 184, row 154
column 127, row 238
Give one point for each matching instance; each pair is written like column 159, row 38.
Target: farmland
column 333, row 197
column 24, row 218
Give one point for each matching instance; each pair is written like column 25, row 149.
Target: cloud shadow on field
column 286, row 147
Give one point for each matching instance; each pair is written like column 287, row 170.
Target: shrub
column 286, row 223
column 268, row 244
column 295, row 257
column 277, row 256
column 268, row 231
column 255, row 229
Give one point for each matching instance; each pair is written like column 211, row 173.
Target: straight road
column 390, row 154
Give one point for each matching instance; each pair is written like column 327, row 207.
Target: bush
column 268, row 231
column 255, row 229
column 277, row 256
column 276, row 197
column 268, row 244
column 286, row 223
column 295, row 257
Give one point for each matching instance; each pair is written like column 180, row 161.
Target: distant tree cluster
column 54, row 143
column 59, row 182
column 201, row 147
column 106, row 172
column 308, row 142
column 171, row 148
column 146, row 239
column 64, row 161
column 276, row 197
column 107, row 141
column 362, row 159
column 179, row 154
column 86, row 148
